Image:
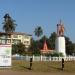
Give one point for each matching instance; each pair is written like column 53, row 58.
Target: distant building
column 15, row 37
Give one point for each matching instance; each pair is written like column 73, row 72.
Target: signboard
column 5, row 55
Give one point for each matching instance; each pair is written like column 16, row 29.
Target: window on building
column 15, row 36
column 3, row 37
column 26, row 42
column 13, row 41
column 0, row 41
column 9, row 41
column 3, row 41
column 20, row 36
column 16, row 41
column 26, row 37
column 9, row 36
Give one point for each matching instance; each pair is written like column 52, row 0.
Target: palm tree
column 38, row 31
column 8, row 24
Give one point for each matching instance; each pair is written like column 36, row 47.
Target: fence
column 43, row 58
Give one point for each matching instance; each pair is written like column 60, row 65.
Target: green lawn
column 43, row 66
column 49, row 66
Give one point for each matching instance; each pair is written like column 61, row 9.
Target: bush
column 36, row 52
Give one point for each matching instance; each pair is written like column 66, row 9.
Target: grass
column 49, row 66
column 43, row 66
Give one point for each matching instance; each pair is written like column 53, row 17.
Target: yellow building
column 14, row 38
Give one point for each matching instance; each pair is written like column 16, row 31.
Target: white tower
column 60, row 39
column 60, row 45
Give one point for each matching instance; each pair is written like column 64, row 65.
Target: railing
column 43, row 58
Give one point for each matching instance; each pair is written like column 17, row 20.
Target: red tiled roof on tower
column 45, row 46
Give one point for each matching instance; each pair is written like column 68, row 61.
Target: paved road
column 8, row 72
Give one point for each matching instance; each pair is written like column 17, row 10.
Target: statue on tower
column 60, row 29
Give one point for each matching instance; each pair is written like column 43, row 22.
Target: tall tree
column 52, row 39
column 35, row 48
column 38, row 31
column 8, row 24
column 69, row 46
column 18, row 49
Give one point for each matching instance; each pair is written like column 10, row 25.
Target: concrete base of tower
column 60, row 45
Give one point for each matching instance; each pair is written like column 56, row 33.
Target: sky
column 45, row 13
